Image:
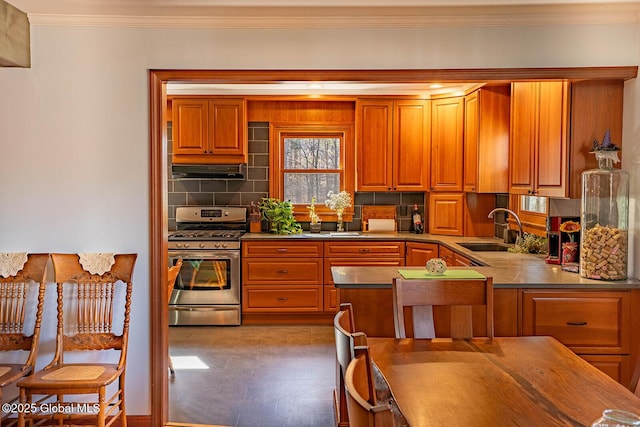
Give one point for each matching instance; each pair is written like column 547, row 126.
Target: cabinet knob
column 282, row 299
column 363, row 250
column 283, row 271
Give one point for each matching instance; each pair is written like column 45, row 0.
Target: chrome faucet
column 515, row 216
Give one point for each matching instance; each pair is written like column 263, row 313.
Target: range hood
column 238, row 171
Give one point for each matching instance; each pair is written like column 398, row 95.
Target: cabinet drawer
column 298, row 271
column 368, row 249
column 256, row 299
column 282, row 248
column 357, row 262
column 617, row 367
column 587, row 322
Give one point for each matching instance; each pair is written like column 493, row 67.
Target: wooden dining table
column 504, row 381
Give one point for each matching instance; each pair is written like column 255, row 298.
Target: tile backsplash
column 221, row 192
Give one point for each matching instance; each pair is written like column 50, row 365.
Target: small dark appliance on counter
column 557, row 239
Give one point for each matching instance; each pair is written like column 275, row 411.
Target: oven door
column 206, row 278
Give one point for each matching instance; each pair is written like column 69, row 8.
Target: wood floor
column 258, row 376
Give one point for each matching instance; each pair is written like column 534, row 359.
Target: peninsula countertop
column 508, row 269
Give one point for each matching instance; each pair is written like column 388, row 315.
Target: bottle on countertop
column 255, row 225
column 416, row 221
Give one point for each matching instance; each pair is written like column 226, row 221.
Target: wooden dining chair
column 93, row 312
column 362, row 403
column 346, row 340
column 16, row 290
column 172, row 275
column 635, row 378
column 459, row 295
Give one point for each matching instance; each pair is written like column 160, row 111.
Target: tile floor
column 258, row 376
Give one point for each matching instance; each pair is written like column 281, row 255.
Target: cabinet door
column 374, row 141
column 446, row 144
column 190, row 126
column 227, row 119
column 471, row 135
column 419, row 253
column 524, row 97
column 460, row 260
column 446, row 213
column 446, row 254
column 486, row 140
column 551, row 153
column 410, row 145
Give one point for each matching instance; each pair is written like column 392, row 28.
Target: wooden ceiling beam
column 15, row 40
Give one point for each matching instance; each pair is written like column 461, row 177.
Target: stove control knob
column 225, row 246
column 217, row 245
column 202, row 245
column 186, row 245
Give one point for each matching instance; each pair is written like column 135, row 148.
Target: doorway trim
column 158, row 221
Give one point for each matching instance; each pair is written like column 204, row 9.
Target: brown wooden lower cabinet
column 596, row 325
column 373, row 312
column 357, row 254
column 419, row 253
column 273, row 298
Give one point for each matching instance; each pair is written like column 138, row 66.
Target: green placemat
column 449, row 274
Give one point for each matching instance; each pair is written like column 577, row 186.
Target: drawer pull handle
column 363, row 250
column 282, row 249
column 577, row 323
column 282, row 299
column 283, row 271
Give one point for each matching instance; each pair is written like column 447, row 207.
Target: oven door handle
column 205, row 308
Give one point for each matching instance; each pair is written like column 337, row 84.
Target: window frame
column 277, row 133
column 532, row 222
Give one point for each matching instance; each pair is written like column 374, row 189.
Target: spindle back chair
column 16, row 335
column 88, row 304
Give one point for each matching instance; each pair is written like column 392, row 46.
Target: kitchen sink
column 484, row 246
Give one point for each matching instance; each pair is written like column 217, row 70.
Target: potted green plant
column 279, row 216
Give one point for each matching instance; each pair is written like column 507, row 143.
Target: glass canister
column 604, row 220
column 617, row 418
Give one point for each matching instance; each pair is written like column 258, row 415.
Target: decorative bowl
column 436, row 266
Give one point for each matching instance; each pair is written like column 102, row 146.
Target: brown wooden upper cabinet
column 447, row 121
column 209, row 131
column 486, row 140
column 392, row 138
column 539, row 117
column 553, row 126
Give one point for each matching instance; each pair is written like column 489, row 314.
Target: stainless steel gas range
column 207, row 290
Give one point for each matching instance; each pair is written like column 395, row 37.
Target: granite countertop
column 507, row 269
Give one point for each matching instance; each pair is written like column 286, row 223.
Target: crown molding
column 353, row 17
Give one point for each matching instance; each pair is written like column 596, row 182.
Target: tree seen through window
column 312, row 166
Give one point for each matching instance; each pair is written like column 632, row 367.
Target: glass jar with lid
column 617, row 418
column 604, row 218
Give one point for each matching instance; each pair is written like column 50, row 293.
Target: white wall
column 74, row 161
